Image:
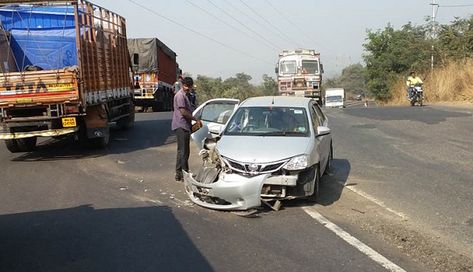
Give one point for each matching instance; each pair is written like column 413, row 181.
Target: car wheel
column 316, row 194
column 329, row 161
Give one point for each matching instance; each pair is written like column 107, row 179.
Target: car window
column 217, row 112
column 269, row 121
column 320, row 114
column 314, row 117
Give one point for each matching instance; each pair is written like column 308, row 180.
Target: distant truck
column 299, row 73
column 335, row 98
column 155, row 72
column 66, row 71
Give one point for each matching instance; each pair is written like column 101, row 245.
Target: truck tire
column 27, row 144
column 127, row 122
column 21, row 145
column 101, row 142
column 12, row 146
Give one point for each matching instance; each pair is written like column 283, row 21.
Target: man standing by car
column 181, row 125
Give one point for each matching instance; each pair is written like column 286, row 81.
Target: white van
column 335, row 98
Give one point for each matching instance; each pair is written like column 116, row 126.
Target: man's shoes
column 179, row 178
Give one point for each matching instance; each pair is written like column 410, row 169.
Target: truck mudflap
column 229, row 192
column 41, row 133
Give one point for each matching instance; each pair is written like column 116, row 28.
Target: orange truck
column 155, row 72
column 64, row 69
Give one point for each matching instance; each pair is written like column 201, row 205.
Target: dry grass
column 452, row 83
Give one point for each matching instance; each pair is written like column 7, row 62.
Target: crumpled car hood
column 259, row 149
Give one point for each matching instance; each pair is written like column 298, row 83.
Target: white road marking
column 372, row 254
column 373, row 199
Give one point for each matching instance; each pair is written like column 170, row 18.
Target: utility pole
column 435, row 8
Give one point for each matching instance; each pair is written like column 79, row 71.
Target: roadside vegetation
column 391, row 54
column 238, row 86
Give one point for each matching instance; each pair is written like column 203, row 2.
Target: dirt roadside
column 368, row 220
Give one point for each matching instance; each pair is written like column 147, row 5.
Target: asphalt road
column 68, row 208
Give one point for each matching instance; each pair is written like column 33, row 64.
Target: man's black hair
column 188, row 81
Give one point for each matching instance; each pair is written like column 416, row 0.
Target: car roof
column 276, row 101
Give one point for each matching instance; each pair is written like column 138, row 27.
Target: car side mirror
column 322, row 130
column 276, row 70
column 322, row 68
column 216, row 130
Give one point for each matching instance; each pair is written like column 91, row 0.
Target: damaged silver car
column 270, row 149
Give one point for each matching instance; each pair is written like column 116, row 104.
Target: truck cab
column 299, row 73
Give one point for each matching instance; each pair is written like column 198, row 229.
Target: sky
column 220, row 38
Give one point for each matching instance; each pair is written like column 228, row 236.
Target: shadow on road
column 86, row 239
column 333, row 184
column 426, row 115
column 145, row 134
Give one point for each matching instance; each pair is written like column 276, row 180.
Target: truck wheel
column 101, row 142
column 27, row 144
column 12, row 146
column 127, row 122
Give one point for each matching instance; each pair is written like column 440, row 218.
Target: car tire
column 329, row 161
column 316, row 194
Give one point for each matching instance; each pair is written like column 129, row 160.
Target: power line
column 252, row 18
column 287, row 19
column 220, row 20
column 281, row 34
column 244, row 25
column 456, row 6
column 198, row 33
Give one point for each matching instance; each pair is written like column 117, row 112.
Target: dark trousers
column 183, row 151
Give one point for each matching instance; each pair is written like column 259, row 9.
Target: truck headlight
column 297, row 163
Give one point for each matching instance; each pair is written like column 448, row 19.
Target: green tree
column 390, row 53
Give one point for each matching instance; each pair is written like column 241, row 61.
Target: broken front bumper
column 229, row 192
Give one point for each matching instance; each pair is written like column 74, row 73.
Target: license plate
column 69, row 122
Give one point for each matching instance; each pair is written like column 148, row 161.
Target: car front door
column 214, row 115
column 323, row 141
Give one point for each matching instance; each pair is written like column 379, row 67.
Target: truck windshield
column 288, row 67
column 310, row 67
column 335, row 98
column 269, row 121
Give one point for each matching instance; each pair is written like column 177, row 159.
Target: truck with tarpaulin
column 65, row 70
column 299, row 73
column 155, row 72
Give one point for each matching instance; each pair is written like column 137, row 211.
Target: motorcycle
column 416, row 95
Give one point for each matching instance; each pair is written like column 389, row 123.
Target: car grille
column 253, row 168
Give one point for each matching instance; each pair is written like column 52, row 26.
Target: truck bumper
column 40, row 133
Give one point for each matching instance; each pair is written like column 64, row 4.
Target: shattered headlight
column 297, row 163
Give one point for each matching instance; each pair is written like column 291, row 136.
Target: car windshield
column 269, row 121
column 288, row 67
column 310, row 67
column 336, row 98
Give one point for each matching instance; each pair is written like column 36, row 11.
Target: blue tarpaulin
column 41, row 36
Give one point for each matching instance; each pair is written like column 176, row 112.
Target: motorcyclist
column 412, row 81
